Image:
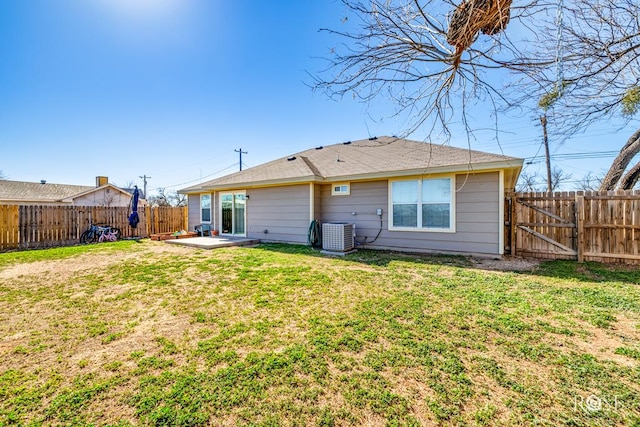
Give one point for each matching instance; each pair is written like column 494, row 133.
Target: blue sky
column 170, row 88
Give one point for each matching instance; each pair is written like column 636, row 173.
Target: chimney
column 101, row 180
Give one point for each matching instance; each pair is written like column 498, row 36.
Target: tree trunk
column 620, row 163
column 631, row 178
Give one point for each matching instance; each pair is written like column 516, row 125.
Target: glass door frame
column 233, row 195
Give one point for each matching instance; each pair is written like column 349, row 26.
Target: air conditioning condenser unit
column 338, row 236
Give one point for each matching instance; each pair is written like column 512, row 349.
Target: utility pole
column 241, row 153
column 545, row 140
column 144, row 180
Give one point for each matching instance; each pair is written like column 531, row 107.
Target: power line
column 523, row 141
column 577, row 156
column 200, row 179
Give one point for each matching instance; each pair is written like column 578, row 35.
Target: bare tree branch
column 600, row 65
column 167, row 198
column 590, row 182
column 436, row 60
column 402, row 51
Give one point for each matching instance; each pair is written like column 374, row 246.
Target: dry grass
column 155, row 334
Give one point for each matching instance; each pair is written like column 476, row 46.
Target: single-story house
column 44, row 193
column 400, row 194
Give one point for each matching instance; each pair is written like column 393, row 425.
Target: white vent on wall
column 338, row 236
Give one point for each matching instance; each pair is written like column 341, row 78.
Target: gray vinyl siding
column 478, row 212
column 194, row 210
column 282, row 211
column 364, row 199
column 477, row 209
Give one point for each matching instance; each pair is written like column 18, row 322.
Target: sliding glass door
column 233, row 213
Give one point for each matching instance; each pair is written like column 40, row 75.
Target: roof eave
column 251, row 184
column 21, row 201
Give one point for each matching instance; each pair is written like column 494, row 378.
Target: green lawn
column 145, row 333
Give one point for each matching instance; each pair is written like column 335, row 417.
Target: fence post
column 185, row 218
column 512, row 224
column 149, row 211
column 9, row 227
column 580, row 216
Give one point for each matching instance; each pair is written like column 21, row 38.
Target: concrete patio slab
column 213, row 242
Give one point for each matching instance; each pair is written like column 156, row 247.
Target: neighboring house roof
column 141, row 194
column 23, row 192
column 36, row 191
column 92, row 189
column 365, row 159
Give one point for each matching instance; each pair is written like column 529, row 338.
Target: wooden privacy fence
column 591, row 226
column 26, row 227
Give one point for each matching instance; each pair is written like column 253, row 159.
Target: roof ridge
column 41, row 183
column 314, row 169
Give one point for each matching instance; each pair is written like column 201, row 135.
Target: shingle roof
column 35, row 191
column 379, row 157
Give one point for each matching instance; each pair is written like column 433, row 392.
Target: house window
column 342, row 189
column 205, row 207
column 422, row 204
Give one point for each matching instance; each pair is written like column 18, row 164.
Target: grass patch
column 61, row 253
column 154, row 334
column 629, row 352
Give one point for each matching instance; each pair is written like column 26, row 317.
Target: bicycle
column 100, row 233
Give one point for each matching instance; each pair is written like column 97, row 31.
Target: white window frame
column 340, row 192
column 419, row 228
column 210, row 208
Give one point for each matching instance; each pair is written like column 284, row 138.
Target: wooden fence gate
column 594, row 226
